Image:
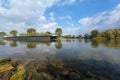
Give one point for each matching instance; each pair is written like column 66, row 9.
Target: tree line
column 108, row 34
column 94, row 34
column 32, row 32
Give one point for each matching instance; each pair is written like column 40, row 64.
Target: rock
column 29, row 76
column 5, row 75
column 89, row 79
column 19, row 75
column 47, row 76
column 14, row 63
column 5, row 67
column 65, row 72
column 29, row 73
column 58, row 78
column 37, row 76
column 89, row 74
column 4, row 59
column 74, row 76
column 104, row 78
column 52, row 70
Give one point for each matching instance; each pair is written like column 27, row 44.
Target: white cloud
column 50, row 26
column 51, row 18
column 65, row 17
column 71, row 30
column 102, row 21
column 51, row 14
column 66, row 2
column 24, row 14
column 28, row 12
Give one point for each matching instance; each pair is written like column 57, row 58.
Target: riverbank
column 11, row 70
column 32, row 38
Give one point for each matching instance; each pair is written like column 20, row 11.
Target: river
column 101, row 58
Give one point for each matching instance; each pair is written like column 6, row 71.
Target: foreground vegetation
column 11, row 70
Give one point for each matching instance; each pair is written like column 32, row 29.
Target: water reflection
column 108, row 43
column 58, row 44
column 68, row 40
column 79, row 40
column 31, row 45
column 2, row 42
column 94, row 44
column 13, row 44
column 87, row 40
column 62, row 60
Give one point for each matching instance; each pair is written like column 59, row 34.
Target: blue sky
column 73, row 16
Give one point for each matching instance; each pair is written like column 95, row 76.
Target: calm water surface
column 99, row 57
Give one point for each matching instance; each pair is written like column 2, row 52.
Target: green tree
column 103, row 34
column 58, row 32
column 31, row 31
column 13, row 32
column 73, row 36
column 87, row 36
column 80, row 36
column 48, row 33
column 68, row 36
column 2, row 34
column 110, row 34
column 117, row 31
column 94, row 33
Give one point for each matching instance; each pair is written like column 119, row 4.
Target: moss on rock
column 19, row 75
